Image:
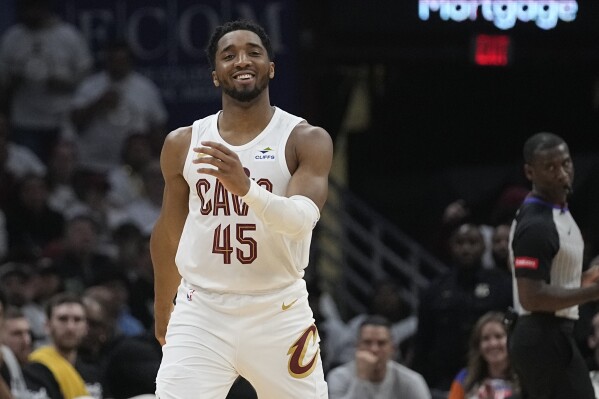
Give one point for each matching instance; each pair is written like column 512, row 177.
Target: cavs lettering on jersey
column 224, row 246
column 546, row 244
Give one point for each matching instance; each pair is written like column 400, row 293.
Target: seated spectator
column 114, row 294
column 17, row 280
column 61, row 177
column 500, row 247
column 43, row 59
column 57, row 367
column 141, row 286
column 488, row 374
column 31, row 224
column 20, row 160
column 593, row 343
column 144, row 211
column 451, row 305
column 16, row 334
column 12, row 382
column 126, row 182
column 112, row 104
column 386, row 301
column 128, row 364
column 80, row 260
column 372, row 374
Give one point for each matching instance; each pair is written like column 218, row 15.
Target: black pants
column 545, row 357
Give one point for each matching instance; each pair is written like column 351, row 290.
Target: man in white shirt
column 373, row 375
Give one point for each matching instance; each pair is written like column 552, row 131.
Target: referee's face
column 551, row 172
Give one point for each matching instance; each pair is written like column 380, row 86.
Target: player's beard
column 248, row 95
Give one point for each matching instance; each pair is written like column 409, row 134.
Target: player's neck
column 244, row 120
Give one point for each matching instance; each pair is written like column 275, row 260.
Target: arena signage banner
column 504, row 14
column 168, row 38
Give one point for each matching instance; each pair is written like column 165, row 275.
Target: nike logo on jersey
column 285, row 307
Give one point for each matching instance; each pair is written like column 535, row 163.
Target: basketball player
column 546, row 251
column 244, row 189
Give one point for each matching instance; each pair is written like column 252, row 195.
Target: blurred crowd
column 80, row 190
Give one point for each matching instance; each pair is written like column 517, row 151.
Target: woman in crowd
column 488, row 374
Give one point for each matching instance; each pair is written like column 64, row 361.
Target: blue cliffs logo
column 265, row 155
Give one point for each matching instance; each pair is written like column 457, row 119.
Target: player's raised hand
column 225, row 166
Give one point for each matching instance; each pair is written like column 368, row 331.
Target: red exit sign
column 492, row 50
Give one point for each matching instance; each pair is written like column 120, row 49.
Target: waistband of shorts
column 550, row 320
column 298, row 284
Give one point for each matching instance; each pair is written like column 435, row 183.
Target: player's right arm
column 169, row 226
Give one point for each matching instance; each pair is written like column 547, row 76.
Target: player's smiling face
column 242, row 66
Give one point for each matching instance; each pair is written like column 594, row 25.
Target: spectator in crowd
column 62, row 168
column 500, row 248
column 372, row 374
column 386, row 300
column 128, row 364
column 489, row 374
column 114, row 295
column 141, row 288
column 57, row 367
column 42, row 59
column 16, row 334
column 8, row 180
column 31, row 224
column 12, row 382
column 91, row 189
column 593, row 343
column 452, row 304
column 144, row 211
column 17, row 280
column 126, row 181
column 48, row 282
column 127, row 241
column 80, row 260
column 113, row 104
column 19, row 160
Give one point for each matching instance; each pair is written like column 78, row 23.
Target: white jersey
column 224, row 247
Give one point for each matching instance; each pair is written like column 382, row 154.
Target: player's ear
column 215, row 79
column 271, row 70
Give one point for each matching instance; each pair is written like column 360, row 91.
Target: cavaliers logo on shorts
column 306, row 347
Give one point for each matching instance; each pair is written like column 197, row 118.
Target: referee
column 546, row 251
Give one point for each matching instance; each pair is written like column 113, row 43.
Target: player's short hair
column 539, row 142
column 241, row 24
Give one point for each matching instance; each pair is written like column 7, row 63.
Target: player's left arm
column 309, row 154
column 309, row 157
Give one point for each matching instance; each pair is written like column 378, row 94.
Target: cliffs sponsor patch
column 523, row 262
column 265, row 155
